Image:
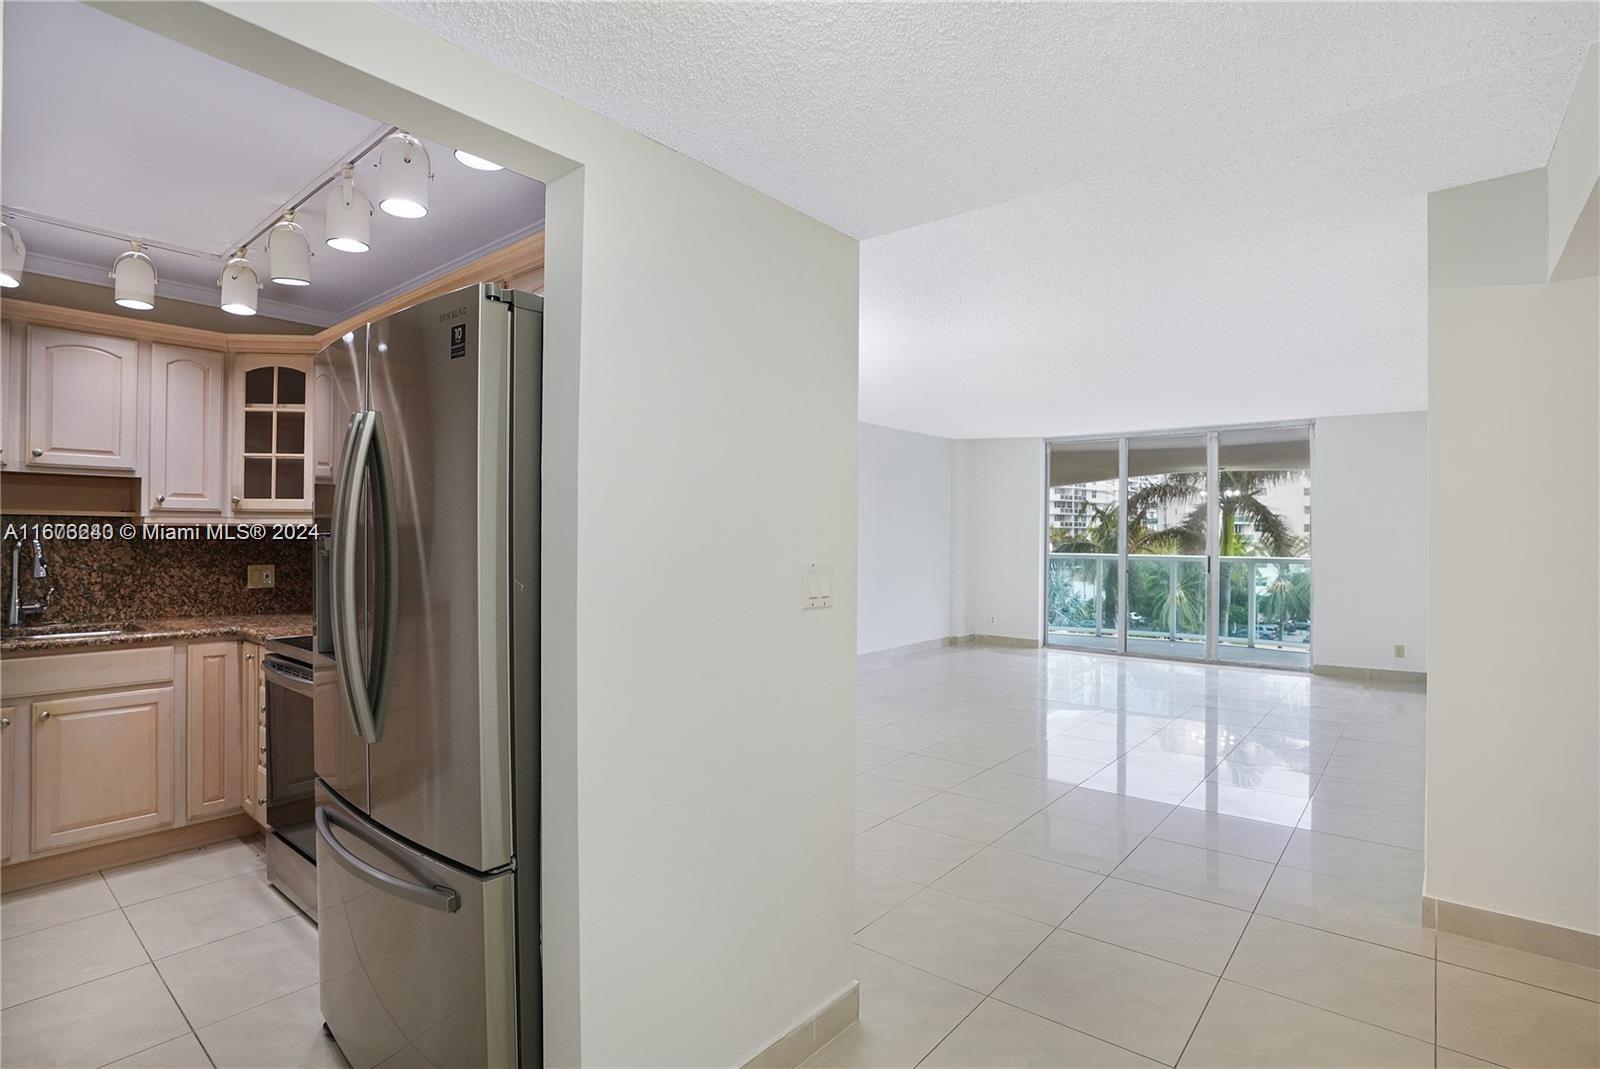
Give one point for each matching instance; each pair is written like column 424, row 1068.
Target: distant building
column 1072, row 508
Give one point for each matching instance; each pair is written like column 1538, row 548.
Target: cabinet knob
column 161, row 499
column 236, row 501
column 44, row 714
column 37, row 452
column 5, row 722
column 261, row 801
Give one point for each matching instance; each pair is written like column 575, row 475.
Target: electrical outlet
column 261, row 577
column 1399, row 649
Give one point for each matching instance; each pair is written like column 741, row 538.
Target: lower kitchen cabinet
column 253, row 687
column 102, row 766
column 8, row 775
column 213, row 730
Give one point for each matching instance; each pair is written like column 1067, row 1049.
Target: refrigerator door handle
column 432, row 896
column 365, row 691
column 388, row 613
column 346, row 514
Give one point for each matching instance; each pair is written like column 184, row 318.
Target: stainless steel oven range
column 294, row 671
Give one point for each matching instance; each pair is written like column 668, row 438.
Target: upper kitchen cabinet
column 271, row 413
column 82, row 401
column 322, row 438
column 187, row 452
column 10, row 398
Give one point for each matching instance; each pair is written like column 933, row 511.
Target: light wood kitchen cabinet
column 188, row 455
column 271, row 412
column 10, row 398
column 324, row 411
column 102, row 766
column 82, row 401
column 253, row 688
column 213, row 730
column 8, row 775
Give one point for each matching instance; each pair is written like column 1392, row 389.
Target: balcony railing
column 1265, row 601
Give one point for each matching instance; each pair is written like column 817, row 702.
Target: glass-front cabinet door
column 271, row 417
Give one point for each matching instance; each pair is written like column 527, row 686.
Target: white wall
column 1369, row 500
column 701, row 347
column 904, row 538
column 1001, row 531
column 1514, row 552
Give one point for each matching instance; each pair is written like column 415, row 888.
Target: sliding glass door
column 1193, row 546
column 1167, row 546
column 1081, row 578
column 1265, row 552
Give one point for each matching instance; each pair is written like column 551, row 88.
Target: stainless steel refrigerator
column 427, row 755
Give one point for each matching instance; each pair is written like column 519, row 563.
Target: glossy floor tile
column 1107, row 861
column 123, row 967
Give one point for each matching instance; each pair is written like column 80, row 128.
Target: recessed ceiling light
column 349, row 215
column 288, row 254
column 403, row 173
column 13, row 252
column 477, row 163
column 134, row 276
column 239, row 284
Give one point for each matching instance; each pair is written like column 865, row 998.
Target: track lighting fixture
column 239, row 284
column 477, row 163
column 12, row 254
column 404, row 170
column 134, row 276
column 288, row 253
column 349, row 215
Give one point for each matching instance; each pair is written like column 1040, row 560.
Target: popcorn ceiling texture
column 118, row 580
column 1121, row 216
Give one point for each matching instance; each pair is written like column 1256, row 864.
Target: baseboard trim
column 39, row 870
column 1518, row 933
column 1006, row 642
column 1371, row 675
column 811, row 1034
column 900, row 654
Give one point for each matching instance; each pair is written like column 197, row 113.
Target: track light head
column 404, row 171
column 349, row 214
column 13, row 253
column 134, row 276
column 288, row 253
column 477, row 163
column 239, row 283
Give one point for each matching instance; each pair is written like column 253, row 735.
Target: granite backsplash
column 123, row 579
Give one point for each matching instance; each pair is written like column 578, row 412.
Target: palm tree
column 1240, row 493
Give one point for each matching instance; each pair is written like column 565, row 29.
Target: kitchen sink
column 61, row 631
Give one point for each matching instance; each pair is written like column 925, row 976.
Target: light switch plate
column 1399, row 649
column 817, row 585
column 261, row 577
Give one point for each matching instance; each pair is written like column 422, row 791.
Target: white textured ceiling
column 113, row 127
column 1090, row 217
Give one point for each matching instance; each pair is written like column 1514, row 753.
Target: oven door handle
column 287, row 679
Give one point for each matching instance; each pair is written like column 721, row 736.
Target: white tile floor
column 190, row 960
column 1068, row 859
column 1063, row 859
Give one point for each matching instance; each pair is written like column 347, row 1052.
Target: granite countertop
column 145, row 632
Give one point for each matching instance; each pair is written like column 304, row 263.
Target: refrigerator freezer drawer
column 417, row 958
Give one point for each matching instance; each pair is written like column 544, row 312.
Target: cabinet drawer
column 60, row 672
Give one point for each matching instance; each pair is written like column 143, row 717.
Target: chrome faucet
column 16, row 609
